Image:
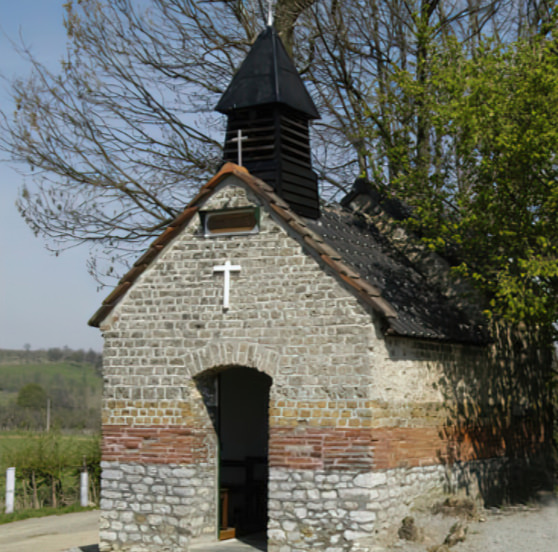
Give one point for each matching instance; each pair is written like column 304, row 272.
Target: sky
column 45, row 301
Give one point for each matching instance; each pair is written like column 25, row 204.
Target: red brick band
column 157, row 444
column 320, row 448
column 323, row 448
column 398, row 447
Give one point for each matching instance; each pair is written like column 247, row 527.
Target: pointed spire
column 267, row 76
column 268, row 106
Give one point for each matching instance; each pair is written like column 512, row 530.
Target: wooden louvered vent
column 267, row 101
column 276, row 148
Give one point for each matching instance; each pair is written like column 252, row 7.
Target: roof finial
column 269, row 13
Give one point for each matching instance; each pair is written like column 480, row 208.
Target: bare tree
column 122, row 135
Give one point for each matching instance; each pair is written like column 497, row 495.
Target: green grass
column 27, row 514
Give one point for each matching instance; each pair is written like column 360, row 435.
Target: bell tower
column 268, row 103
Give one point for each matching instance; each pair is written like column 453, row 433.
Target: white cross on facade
column 238, row 140
column 227, row 268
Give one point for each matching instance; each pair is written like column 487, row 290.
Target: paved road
column 50, row 534
column 80, row 532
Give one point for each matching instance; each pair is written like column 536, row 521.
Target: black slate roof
column 267, row 76
column 423, row 311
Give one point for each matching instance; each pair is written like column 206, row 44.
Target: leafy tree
column 488, row 196
column 54, row 354
column 32, row 395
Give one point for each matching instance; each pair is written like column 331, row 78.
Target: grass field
column 6, row 397
column 73, row 388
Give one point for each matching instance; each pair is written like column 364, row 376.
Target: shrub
column 32, row 395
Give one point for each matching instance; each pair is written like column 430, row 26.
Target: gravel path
column 514, row 530
column 510, row 529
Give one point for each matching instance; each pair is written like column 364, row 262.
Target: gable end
column 314, row 244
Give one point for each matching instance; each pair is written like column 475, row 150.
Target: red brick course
column 322, row 448
column 157, row 444
column 416, row 446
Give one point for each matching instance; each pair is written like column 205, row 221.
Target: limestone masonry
column 291, row 411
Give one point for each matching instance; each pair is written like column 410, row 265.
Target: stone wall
column 155, row 507
column 356, row 423
column 287, row 319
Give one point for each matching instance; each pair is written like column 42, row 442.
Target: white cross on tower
column 238, row 140
column 227, row 268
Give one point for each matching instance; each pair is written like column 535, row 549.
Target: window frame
column 205, row 217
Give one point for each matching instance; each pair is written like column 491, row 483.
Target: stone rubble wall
column 352, row 511
column 338, row 391
column 320, row 510
column 160, row 508
column 155, row 508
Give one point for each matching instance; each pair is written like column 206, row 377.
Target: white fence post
column 10, row 490
column 84, row 488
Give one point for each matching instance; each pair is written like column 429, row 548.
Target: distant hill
column 21, row 356
column 71, row 380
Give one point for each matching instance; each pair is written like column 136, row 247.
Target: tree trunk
column 34, row 485
column 286, row 14
column 53, row 492
column 423, row 40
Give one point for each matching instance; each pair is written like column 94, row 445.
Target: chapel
column 278, row 366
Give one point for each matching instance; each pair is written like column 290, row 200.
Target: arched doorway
column 243, row 430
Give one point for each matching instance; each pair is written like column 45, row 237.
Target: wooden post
column 225, row 532
column 48, row 416
column 84, row 485
column 10, row 490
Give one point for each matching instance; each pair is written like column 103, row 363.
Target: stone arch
column 241, row 470
column 216, row 355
